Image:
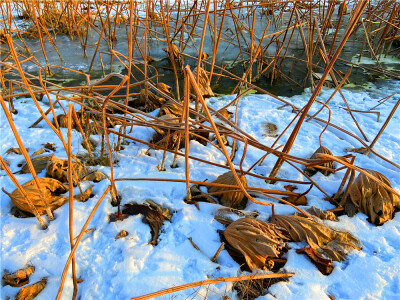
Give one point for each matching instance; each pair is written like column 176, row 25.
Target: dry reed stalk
column 71, row 198
column 78, row 239
column 211, row 281
column 352, row 23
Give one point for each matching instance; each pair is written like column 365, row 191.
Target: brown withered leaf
column 325, row 266
column 174, row 50
column 39, row 164
column 270, row 129
column 326, row 241
column 31, row 291
column 171, row 108
column 322, row 214
column 290, row 188
column 330, row 164
column 51, row 189
column 58, row 168
column 372, row 199
column 38, row 152
column 17, row 151
column 121, row 234
column 150, row 100
column 230, row 199
column 255, row 240
column 85, row 195
column 165, row 88
column 226, row 215
column 204, row 83
column 226, row 114
column 50, row 146
column 63, row 121
column 153, row 215
column 296, row 199
column 153, row 16
column 19, row 278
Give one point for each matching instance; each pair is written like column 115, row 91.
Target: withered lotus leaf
column 150, row 100
column 58, row 168
column 330, row 164
column 204, row 83
column 319, row 213
column 255, row 240
column 165, row 88
column 153, row 214
column 51, row 189
column 39, row 164
column 325, row 266
column 85, row 195
column 326, row 241
column 229, row 199
column 31, row 291
column 18, row 278
column 174, row 51
column 373, row 199
column 171, row 108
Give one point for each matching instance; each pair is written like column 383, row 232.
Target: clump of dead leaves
column 371, row 198
column 256, row 241
column 234, row 199
column 203, row 84
column 325, row 168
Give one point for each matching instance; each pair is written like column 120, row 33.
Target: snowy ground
column 127, row 267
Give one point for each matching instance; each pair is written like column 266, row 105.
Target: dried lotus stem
column 71, row 198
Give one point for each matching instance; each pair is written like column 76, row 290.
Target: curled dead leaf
column 326, row 241
column 150, row 100
column 204, row 83
column 122, row 234
column 85, row 195
column 58, row 168
column 153, row 214
column 227, row 198
column 17, row 151
column 39, row 164
column 31, row 291
column 255, row 240
column 171, row 108
column 325, row 266
column 166, row 89
column 372, row 199
column 18, row 278
column 174, row 50
column 329, row 165
column 51, row 189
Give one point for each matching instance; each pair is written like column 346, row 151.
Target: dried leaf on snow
column 85, row 195
column 150, row 100
column 255, row 240
column 31, row 291
column 58, row 168
column 51, row 189
column 230, row 199
column 19, row 278
column 329, row 164
column 153, row 214
column 326, row 241
column 171, row 108
column 39, row 164
column 325, row 266
column 17, row 151
column 121, row 234
column 373, row 199
column 319, row 213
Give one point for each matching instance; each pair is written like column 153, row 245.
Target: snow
column 128, row 267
